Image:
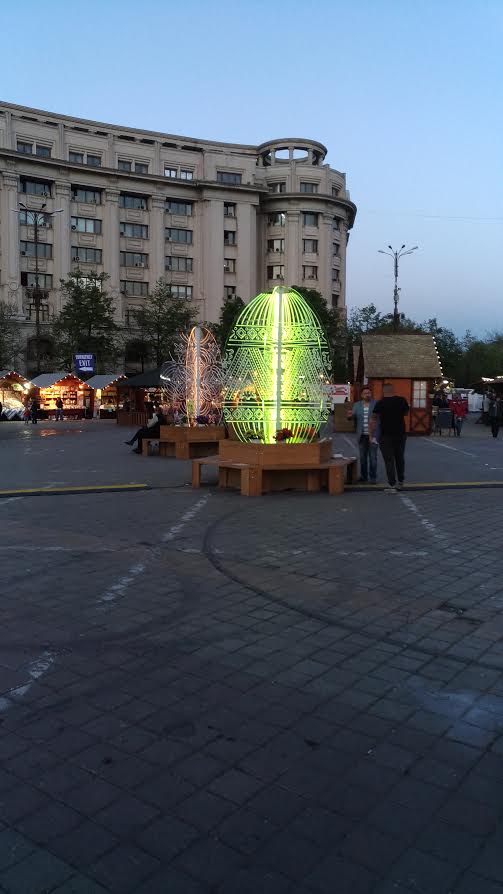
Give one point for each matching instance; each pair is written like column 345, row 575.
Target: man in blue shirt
column 361, row 413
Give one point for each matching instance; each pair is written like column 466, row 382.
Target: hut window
column 419, row 390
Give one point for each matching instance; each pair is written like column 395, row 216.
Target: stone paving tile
column 316, row 718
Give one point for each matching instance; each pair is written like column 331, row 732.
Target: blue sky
column 407, row 97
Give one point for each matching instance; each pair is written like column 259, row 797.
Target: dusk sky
column 407, row 98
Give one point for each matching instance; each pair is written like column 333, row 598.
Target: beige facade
column 211, row 218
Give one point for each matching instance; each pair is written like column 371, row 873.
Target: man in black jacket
column 390, row 412
column 151, row 430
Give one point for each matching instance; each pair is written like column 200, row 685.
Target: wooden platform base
column 184, row 442
column 255, row 480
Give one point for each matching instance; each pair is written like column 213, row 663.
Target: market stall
column 135, row 394
column 408, row 361
column 74, row 392
column 14, row 389
column 105, row 394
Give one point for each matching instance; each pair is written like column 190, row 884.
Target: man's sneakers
column 389, row 490
column 399, row 485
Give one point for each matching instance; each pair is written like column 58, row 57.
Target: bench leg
column 144, row 446
column 352, row 473
column 251, row 482
column 336, row 480
column 313, row 481
column 223, row 477
column 196, row 474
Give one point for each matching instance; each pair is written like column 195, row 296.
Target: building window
column 336, row 248
column 310, row 246
column 229, row 209
column 36, row 188
column 179, row 265
column 277, row 220
column 335, row 276
column 309, row 219
column 230, row 237
column 335, row 300
column 88, row 196
column 43, row 151
column 125, row 165
column 229, row 265
column 86, row 255
column 229, row 291
column 335, row 191
column 277, row 187
column 133, row 259
column 43, row 312
column 140, row 167
column 94, row 161
column 276, row 245
column 86, row 225
column 44, row 280
column 310, row 272
column 276, row 271
column 138, row 289
column 26, row 148
column 186, row 175
column 133, row 231
column 32, row 249
column 76, row 158
column 129, row 201
column 335, row 223
column 174, row 207
column 419, row 393
column 181, row 291
column 26, row 219
column 308, row 187
column 175, row 234
column 228, row 177
column 170, row 172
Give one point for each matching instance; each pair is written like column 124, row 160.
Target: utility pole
column 396, row 255
column 37, row 295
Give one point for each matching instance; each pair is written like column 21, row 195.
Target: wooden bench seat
column 255, row 480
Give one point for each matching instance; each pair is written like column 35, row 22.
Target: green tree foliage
column 478, row 358
column 449, row 347
column 231, row 307
column 335, row 327
column 10, row 342
column 161, row 320
column 86, row 323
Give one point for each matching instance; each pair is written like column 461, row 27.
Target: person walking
column 389, row 413
column 34, row 411
column 495, row 414
column 151, row 430
column 361, row 415
column 59, row 410
column 459, row 411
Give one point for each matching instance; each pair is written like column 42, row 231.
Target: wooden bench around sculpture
column 255, row 480
column 184, row 442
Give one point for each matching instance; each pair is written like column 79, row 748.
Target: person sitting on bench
column 151, row 430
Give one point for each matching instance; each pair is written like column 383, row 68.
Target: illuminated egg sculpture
column 276, row 368
column 192, row 381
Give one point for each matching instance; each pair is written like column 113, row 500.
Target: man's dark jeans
column 368, row 459
column 393, row 454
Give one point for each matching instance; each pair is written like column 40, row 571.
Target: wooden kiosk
column 409, row 362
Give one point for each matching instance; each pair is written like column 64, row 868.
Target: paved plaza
column 207, row 694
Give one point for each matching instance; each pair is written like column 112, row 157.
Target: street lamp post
column 396, row 255
column 37, row 219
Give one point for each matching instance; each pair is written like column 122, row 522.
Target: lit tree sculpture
column 192, row 381
column 276, row 365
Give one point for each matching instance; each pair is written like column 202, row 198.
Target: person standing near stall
column 459, row 409
column 389, row 413
column 361, row 413
column 34, row 411
column 495, row 414
column 59, row 410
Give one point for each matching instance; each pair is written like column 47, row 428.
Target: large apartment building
column 213, row 219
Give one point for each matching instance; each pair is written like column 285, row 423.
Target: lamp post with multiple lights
column 38, row 219
column 396, row 254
